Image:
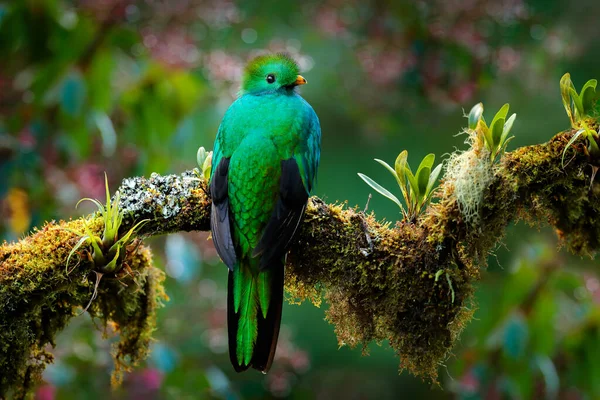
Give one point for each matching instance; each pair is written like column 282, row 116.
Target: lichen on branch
column 410, row 283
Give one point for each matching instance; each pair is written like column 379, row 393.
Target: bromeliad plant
column 580, row 107
column 495, row 136
column 417, row 189
column 107, row 252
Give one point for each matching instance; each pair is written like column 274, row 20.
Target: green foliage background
column 134, row 87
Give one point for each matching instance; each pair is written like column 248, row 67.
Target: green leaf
column 507, row 128
column 506, row 142
column 207, row 166
column 432, row 178
column 79, row 244
column 112, row 265
column 577, row 102
column 430, row 190
column 96, row 202
column 389, row 168
column 381, row 190
column 588, row 95
column 423, row 180
column 573, row 139
column 565, row 86
column 201, row 157
column 107, row 191
column 475, row 115
column 501, row 114
column 400, row 165
column 414, row 186
column 427, row 161
column 125, row 239
column 497, row 129
column 489, row 140
column 95, row 242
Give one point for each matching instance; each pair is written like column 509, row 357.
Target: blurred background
column 132, row 87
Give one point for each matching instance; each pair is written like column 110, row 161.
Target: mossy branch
column 409, row 283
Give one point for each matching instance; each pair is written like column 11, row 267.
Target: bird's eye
column 270, row 78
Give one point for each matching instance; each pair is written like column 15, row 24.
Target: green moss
column 564, row 197
column 387, row 294
column 391, row 292
column 133, row 313
column 38, row 297
column 379, row 279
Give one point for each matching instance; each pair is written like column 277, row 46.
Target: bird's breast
column 277, row 117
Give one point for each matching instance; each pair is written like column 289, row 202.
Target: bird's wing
column 285, row 217
column 308, row 157
column 297, row 177
column 220, row 224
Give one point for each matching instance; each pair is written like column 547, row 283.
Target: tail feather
column 232, row 326
column 259, row 306
column 268, row 327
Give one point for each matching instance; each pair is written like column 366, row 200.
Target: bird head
column 270, row 73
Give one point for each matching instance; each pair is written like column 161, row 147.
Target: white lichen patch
column 471, row 172
column 157, row 195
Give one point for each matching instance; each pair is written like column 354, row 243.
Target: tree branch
column 408, row 283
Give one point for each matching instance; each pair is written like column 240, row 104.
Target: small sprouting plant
column 579, row 107
column 204, row 160
column 495, row 136
column 417, row 189
column 107, row 251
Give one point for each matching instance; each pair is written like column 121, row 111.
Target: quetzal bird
column 265, row 161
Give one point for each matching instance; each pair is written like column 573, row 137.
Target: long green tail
column 254, row 301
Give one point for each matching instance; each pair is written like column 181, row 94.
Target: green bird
column 265, row 161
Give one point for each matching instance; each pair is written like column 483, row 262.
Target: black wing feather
column 220, row 225
column 286, row 217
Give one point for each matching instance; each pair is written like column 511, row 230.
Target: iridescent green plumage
column 265, row 160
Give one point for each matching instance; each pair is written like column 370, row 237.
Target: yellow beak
column 300, row 80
